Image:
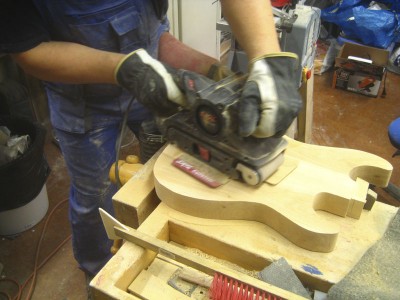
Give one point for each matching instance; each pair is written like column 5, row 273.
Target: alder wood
column 334, row 180
column 151, row 287
column 140, row 281
column 251, row 245
column 197, row 262
column 134, row 202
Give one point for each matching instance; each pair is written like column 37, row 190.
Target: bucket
column 17, row 220
column 23, row 194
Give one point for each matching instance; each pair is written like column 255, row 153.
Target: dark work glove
column 270, row 100
column 151, row 82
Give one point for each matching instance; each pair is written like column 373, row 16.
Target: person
column 95, row 57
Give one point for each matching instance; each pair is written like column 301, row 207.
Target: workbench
column 249, row 246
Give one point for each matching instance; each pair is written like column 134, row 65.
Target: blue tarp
column 376, row 28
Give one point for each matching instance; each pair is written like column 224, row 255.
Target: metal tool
column 208, row 130
column 298, row 30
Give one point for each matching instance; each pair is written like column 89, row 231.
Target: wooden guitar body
column 314, row 180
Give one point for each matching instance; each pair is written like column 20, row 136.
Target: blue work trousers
column 88, row 157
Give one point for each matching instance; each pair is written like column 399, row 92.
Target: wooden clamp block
column 358, row 199
column 250, row 245
column 137, row 198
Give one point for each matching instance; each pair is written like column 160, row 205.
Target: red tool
column 366, row 83
column 224, row 288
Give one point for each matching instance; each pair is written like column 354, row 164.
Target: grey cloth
column 281, row 274
column 377, row 274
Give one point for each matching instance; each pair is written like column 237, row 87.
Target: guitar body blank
column 316, row 179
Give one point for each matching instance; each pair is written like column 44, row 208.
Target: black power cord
column 119, row 143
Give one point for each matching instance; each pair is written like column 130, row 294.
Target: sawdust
column 58, row 175
column 376, row 275
column 58, row 168
column 228, row 264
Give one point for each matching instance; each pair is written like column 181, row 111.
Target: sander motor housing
column 207, row 129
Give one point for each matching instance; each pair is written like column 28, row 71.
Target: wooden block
column 151, row 287
column 250, row 245
column 372, row 196
column 358, row 199
column 192, row 275
column 253, row 245
column 113, row 280
column 198, row 263
column 137, row 199
column 305, row 116
column 326, row 178
column 162, row 268
column 188, row 280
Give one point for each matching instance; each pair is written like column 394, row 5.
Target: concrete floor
column 341, row 119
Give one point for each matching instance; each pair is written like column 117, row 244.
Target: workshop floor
column 341, row 119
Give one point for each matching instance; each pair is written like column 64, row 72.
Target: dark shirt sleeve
column 21, row 27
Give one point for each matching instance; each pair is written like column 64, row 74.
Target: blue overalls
column 86, row 118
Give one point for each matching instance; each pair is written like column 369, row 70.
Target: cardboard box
column 360, row 69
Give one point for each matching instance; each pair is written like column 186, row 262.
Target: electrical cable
column 67, row 239
column 6, row 295
column 33, row 282
column 383, row 95
column 13, row 282
column 37, row 266
column 119, row 142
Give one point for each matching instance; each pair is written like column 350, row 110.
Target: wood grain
column 326, row 178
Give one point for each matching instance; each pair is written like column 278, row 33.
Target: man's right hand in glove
column 270, row 100
column 150, row 81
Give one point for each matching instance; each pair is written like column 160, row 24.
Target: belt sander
column 207, row 129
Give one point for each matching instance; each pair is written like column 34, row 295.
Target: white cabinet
column 194, row 23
